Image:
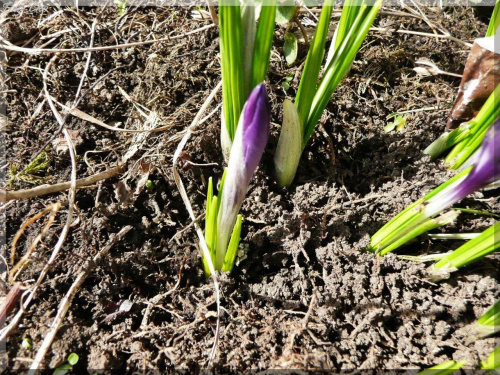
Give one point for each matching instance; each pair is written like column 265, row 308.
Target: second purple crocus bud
column 485, row 171
column 248, row 146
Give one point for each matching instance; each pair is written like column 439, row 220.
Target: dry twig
column 24, row 259
column 6, row 195
column 83, row 116
column 53, row 207
column 213, row 13
column 443, row 36
column 41, row 353
column 204, row 248
column 11, row 47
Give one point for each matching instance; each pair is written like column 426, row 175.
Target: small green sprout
column 398, row 123
column 27, row 343
column 72, row 360
column 149, row 185
column 286, row 83
column 122, row 6
column 313, row 93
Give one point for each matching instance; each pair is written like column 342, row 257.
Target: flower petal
column 255, row 127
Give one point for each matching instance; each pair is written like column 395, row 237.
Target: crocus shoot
column 420, row 217
column 471, row 251
column 300, row 119
column 245, row 49
column 477, row 104
column 465, row 140
column 489, row 323
column 492, row 363
column 222, row 220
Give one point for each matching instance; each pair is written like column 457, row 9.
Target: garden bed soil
column 307, row 295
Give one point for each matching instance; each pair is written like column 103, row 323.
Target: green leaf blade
column 232, row 249
column 473, row 250
column 312, row 67
column 340, row 64
column 263, row 42
column 231, row 46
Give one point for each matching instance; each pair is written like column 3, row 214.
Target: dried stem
column 204, row 248
column 6, row 195
column 24, row 259
column 11, row 47
column 443, row 36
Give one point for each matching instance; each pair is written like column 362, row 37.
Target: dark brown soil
column 307, row 296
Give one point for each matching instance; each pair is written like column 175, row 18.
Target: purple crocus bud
column 248, row 146
column 485, row 171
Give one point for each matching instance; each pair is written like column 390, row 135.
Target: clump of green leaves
column 246, row 37
column 286, row 82
column 465, row 140
column 412, row 221
column 31, row 172
column 212, row 213
column 313, row 93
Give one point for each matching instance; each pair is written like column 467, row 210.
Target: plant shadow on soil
column 306, row 296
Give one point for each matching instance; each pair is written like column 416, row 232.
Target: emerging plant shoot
column 312, row 97
column 420, row 217
column 471, row 251
column 222, row 221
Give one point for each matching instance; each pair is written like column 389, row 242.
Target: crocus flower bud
column 248, row 146
column 486, row 171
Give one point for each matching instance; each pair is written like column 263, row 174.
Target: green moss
column 30, row 173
